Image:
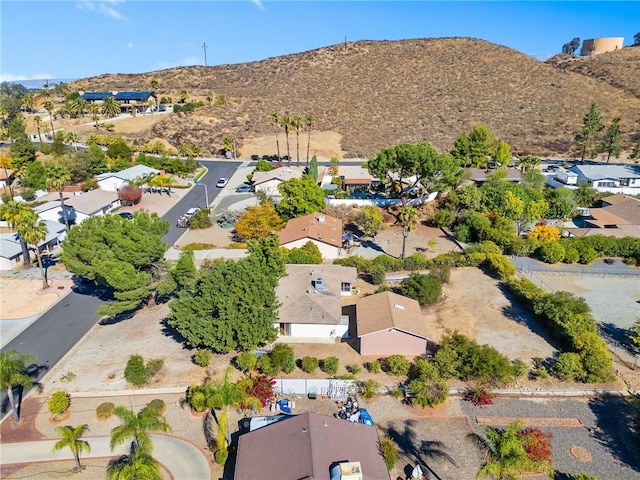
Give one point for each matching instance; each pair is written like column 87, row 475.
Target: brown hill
column 376, row 94
column 620, row 69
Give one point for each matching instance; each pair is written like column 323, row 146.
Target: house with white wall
column 610, row 178
column 114, row 181
column 11, row 249
column 268, row 182
column 310, row 298
column 322, row 230
column 92, row 203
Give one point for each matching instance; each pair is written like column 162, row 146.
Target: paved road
column 51, row 336
column 183, row 459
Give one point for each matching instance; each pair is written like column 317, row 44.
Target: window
column 345, row 287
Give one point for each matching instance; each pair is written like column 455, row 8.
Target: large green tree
column 137, row 465
column 71, row 438
column 232, row 305
column 258, row 221
column 408, row 165
column 611, row 141
column 591, row 126
column 119, row 253
column 13, row 373
column 300, row 196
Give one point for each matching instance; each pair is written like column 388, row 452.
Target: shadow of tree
column 615, row 420
column 617, row 336
column 421, row 451
column 169, row 331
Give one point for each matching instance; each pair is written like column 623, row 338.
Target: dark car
column 255, row 158
column 245, row 189
column 127, row 215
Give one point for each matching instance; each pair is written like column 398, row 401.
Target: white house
column 610, row 178
column 92, row 203
column 310, row 301
column 268, row 182
column 11, row 250
column 113, row 181
column 322, row 230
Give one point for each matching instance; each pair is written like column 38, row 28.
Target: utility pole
column 204, row 46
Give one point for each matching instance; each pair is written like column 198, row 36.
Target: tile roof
column 386, row 310
column 5, row 173
column 623, row 206
column 603, row 217
column 620, row 232
column 301, row 302
column 282, row 174
column 92, row 201
column 316, row 226
column 307, row 446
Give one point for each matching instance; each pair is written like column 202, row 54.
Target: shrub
column 330, row 365
column 443, row 218
column 426, row 289
column 397, row 365
column 587, row 255
column 480, row 397
column 354, row 368
column 135, row 372
column 537, row 444
column 200, row 219
column 519, row 368
column 377, row 274
column 196, row 398
column 568, row 367
column 462, row 233
column 221, row 456
column 202, row 358
column 265, row 365
column 374, row 366
column 369, row 388
column 571, row 255
column 428, row 392
column 359, row 262
column 390, row 264
column 389, row 452
column 157, row 405
column 309, row 364
column 105, row 410
column 260, row 387
column 198, row 246
column 130, row 195
column 153, row 367
column 59, row 403
column 551, row 252
column 501, row 267
column 246, row 361
column 416, row 261
column 283, row 358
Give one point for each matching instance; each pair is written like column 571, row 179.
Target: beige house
column 619, row 216
column 310, row 298
column 323, row 230
column 268, row 182
column 390, row 324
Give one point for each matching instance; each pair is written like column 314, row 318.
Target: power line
column 204, row 46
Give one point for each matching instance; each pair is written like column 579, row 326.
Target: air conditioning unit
column 319, row 284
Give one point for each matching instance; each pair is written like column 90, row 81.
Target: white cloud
column 8, row 77
column 258, row 3
column 102, row 8
column 130, row 45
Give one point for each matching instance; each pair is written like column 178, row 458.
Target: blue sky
column 78, row 39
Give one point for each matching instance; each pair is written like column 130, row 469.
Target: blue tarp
column 284, row 406
column 365, row 417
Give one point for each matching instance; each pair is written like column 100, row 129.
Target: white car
column 222, row 182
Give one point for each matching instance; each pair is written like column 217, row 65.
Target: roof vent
column 398, row 306
column 319, row 284
column 321, row 218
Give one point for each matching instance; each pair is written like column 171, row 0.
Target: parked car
column 245, row 189
column 127, row 215
column 183, row 221
column 222, row 182
column 255, row 158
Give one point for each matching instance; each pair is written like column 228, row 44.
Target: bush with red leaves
column 260, row 387
column 480, row 397
column 130, row 194
column 537, row 444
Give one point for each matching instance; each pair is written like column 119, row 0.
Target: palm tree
column 71, row 438
column 38, row 120
column 137, row 427
column 296, row 123
column 275, row 121
column 13, row 366
column 57, row 177
column 286, row 123
column 408, row 219
column 95, row 119
column 61, row 89
column 110, row 107
column 309, row 120
column 162, row 181
column 12, row 212
column 72, row 138
column 154, row 85
column 505, row 455
column 33, row 230
column 135, row 466
column 48, row 106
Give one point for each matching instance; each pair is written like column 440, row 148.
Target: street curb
column 128, row 393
